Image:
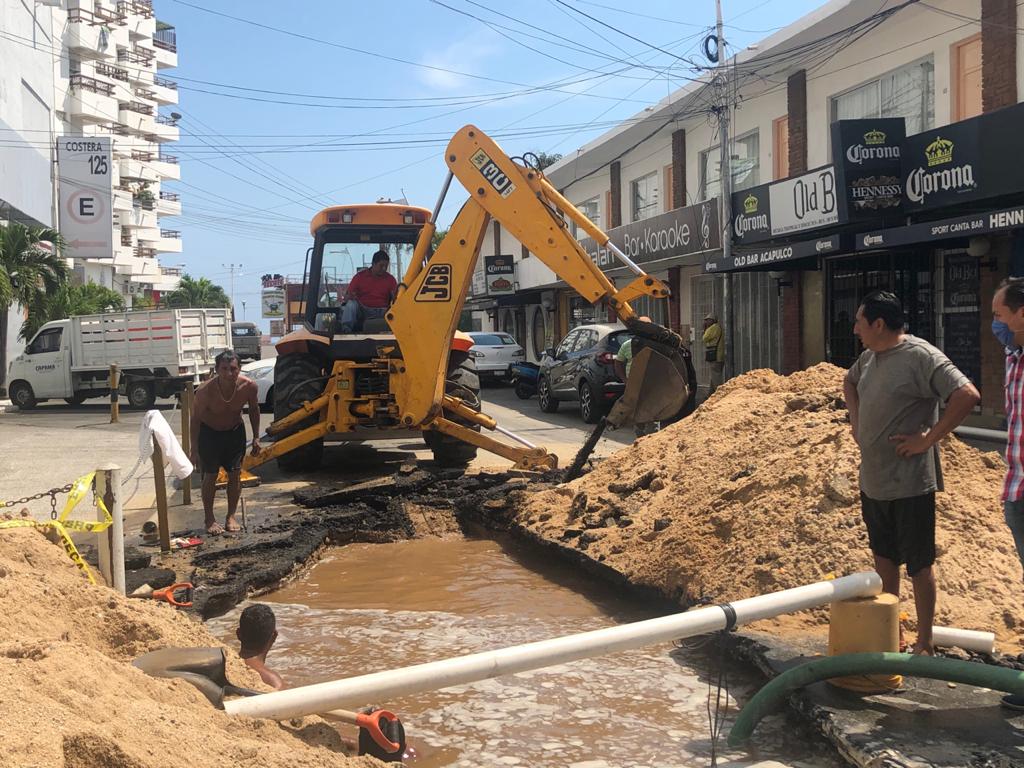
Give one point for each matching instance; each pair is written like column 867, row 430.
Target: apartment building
column 790, row 290
column 93, row 69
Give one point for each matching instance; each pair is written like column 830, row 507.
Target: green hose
column 770, row 697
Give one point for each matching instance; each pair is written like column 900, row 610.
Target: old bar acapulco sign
column 692, row 229
column 787, row 207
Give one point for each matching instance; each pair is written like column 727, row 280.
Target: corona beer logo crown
column 873, row 138
column 939, row 151
column 750, row 204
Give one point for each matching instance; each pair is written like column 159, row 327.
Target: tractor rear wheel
column 462, row 381
column 298, row 378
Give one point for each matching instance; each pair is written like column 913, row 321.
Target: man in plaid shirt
column 1008, row 320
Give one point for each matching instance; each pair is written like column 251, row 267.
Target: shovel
column 206, row 669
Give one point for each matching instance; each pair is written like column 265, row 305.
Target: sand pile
column 70, row 697
column 758, row 491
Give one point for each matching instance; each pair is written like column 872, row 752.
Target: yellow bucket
column 864, row 625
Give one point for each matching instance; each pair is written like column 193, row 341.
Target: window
column 966, row 80
column 780, row 147
column 644, row 196
column 588, row 339
column 568, row 343
column 47, row 341
column 746, row 162
column 908, row 92
column 592, row 210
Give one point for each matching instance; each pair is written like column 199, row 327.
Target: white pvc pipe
column 968, row 639
column 435, row 675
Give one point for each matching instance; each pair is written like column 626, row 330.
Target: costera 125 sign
column 975, row 159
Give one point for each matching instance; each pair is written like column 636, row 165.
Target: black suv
column 583, row 368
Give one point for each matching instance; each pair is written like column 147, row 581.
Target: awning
column 770, row 257
column 967, row 225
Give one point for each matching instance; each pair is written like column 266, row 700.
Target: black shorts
column 221, row 449
column 902, row 530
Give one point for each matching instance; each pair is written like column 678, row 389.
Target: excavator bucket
column 656, row 388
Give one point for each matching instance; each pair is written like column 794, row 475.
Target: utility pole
column 725, row 176
column 243, row 309
column 231, row 268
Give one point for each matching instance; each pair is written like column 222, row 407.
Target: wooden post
column 111, row 546
column 161, row 498
column 115, row 408
column 187, row 396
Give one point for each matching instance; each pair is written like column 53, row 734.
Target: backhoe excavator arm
column 433, row 290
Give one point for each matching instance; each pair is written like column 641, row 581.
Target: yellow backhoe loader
column 411, row 369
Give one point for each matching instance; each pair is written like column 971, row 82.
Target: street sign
column 86, row 189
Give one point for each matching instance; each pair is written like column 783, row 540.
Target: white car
column 494, row 353
column 262, row 372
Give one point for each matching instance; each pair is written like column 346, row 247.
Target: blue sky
column 256, row 168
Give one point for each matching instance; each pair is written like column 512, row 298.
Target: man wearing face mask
column 1007, row 321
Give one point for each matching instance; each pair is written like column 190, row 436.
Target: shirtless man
column 257, row 631
column 218, row 434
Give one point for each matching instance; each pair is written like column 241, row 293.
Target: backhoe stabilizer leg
column 534, row 459
column 309, row 408
column 290, row 443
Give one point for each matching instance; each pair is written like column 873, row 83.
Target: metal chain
column 52, row 493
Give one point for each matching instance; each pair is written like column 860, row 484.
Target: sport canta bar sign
column 866, row 154
column 945, row 229
column 971, row 160
column 692, row 229
column 501, row 274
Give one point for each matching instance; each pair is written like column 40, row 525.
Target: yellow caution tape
column 62, row 525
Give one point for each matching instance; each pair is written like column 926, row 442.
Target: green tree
column 544, row 159
column 438, row 238
column 69, row 301
column 197, row 293
column 28, row 271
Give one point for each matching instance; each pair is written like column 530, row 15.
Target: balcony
column 142, row 252
column 166, row 44
column 122, row 199
column 167, row 166
column 135, row 55
column 91, row 100
column 166, row 128
column 144, row 93
column 109, row 70
column 137, row 117
column 164, row 91
column 168, row 204
column 169, row 242
column 138, row 170
column 143, row 8
column 139, row 218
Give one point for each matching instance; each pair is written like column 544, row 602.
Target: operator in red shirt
column 369, row 294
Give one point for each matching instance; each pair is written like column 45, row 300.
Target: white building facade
column 846, row 60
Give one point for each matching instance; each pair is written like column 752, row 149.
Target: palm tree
column 69, row 301
column 197, row 293
column 29, row 270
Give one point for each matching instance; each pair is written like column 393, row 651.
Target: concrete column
column 796, row 108
column 678, row 191
column 615, row 178
column 998, row 54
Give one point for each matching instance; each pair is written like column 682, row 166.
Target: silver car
column 494, row 353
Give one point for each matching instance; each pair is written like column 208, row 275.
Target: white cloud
column 469, row 54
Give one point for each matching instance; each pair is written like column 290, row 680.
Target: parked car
column 246, row 339
column 494, row 353
column 582, row 368
column 262, row 372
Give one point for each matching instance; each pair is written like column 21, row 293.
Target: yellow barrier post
column 161, row 498
column 115, row 408
column 187, row 396
column 111, row 545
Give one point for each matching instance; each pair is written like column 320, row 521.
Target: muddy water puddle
column 370, row 607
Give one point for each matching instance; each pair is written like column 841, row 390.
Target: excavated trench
column 424, row 566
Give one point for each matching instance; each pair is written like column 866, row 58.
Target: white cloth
column 155, row 427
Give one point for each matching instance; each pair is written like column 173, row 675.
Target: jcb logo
column 495, row 176
column 437, row 285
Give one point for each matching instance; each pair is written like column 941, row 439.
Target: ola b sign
column 86, row 188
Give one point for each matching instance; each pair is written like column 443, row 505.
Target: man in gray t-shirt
column 893, row 393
